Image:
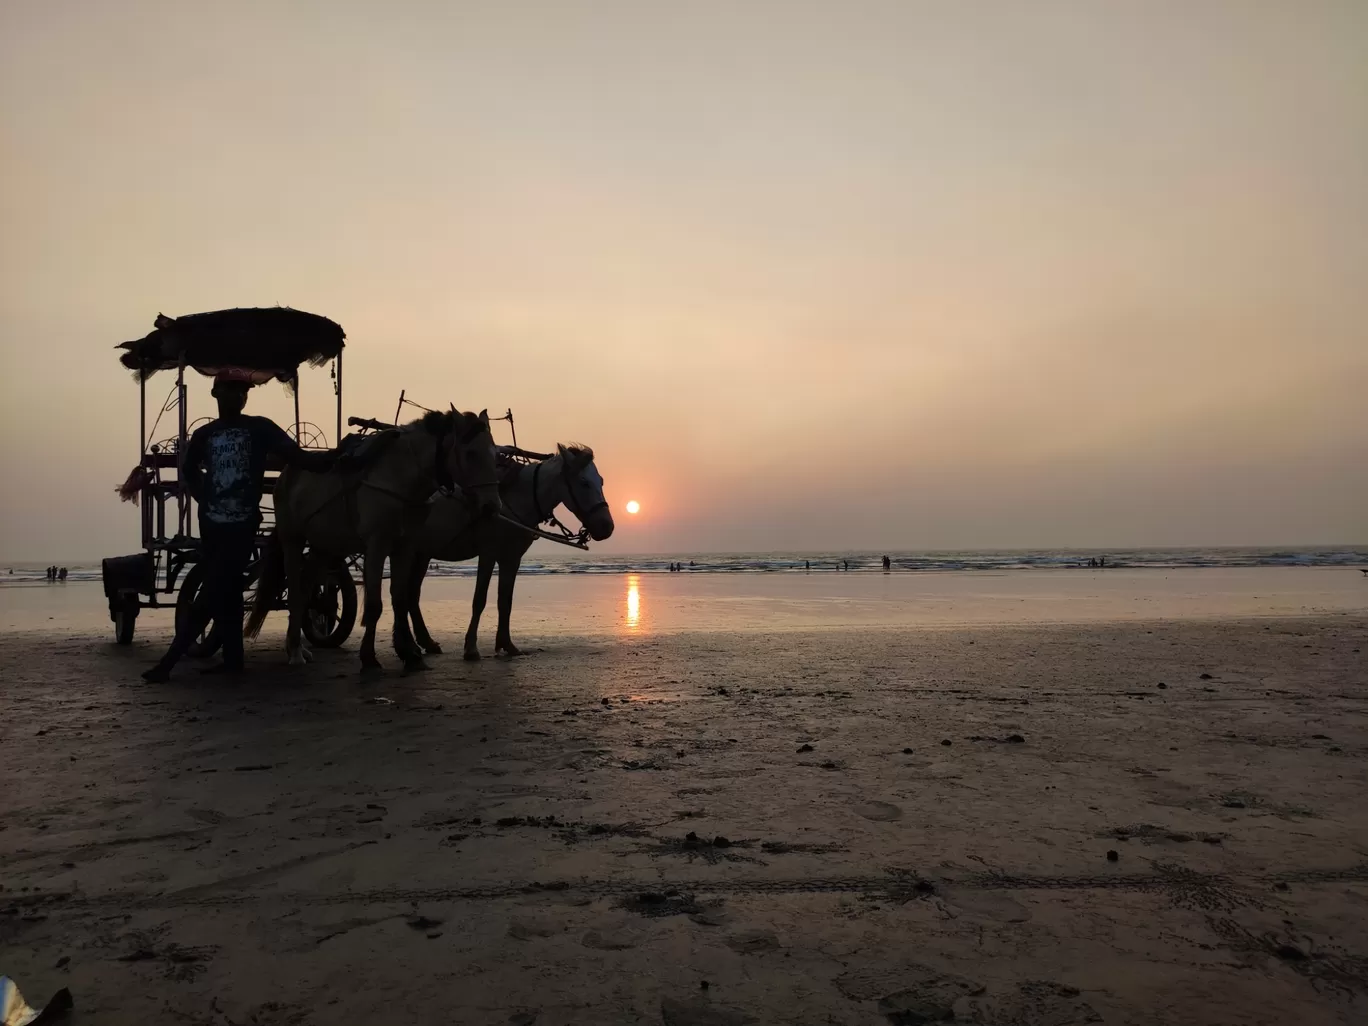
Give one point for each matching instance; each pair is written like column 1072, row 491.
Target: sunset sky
column 843, row 275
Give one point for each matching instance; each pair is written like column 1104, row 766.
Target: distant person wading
column 224, row 466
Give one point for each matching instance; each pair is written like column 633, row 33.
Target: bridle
column 446, row 483
column 573, row 501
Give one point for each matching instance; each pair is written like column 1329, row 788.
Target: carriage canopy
column 266, row 342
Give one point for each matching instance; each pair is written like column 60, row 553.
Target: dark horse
column 530, row 496
column 377, row 508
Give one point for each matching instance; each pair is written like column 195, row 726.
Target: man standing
column 224, row 466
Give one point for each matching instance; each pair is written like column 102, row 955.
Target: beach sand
column 918, row 820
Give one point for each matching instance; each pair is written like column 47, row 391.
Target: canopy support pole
column 182, row 444
column 337, row 387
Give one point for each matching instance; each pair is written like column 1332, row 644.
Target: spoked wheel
column 331, row 612
column 192, row 608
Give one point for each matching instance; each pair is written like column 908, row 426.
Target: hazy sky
column 830, row 274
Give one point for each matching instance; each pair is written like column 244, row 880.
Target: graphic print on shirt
column 229, row 472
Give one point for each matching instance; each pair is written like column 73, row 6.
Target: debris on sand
column 17, row 1011
column 947, row 742
column 1205, row 676
column 424, row 923
column 1113, row 855
column 1290, row 953
column 907, row 751
column 804, row 748
column 721, row 842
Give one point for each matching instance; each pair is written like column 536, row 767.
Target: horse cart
column 266, row 344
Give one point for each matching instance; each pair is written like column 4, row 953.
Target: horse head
column 584, row 491
column 470, row 460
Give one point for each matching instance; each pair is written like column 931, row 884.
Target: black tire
column 331, row 613
column 125, row 619
column 190, row 603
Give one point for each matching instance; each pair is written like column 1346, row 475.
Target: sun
column 633, row 507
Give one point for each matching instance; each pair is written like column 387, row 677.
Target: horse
column 375, row 506
column 530, row 496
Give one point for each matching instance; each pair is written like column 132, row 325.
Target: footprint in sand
column 880, row 812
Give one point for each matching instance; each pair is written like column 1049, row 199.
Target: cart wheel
column 125, row 619
column 192, row 606
column 332, row 608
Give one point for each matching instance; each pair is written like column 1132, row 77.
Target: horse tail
column 270, row 584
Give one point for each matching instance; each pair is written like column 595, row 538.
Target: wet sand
column 916, row 823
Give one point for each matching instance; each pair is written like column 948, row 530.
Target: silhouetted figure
column 224, row 467
column 845, row 564
column 888, row 563
column 807, row 565
column 1102, row 562
column 62, row 574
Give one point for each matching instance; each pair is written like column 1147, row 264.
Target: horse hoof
column 308, row 655
column 509, row 651
column 414, row 666
column 471, row 656
column 298, row 659
column 432, row 648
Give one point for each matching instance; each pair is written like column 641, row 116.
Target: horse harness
column 446, row 485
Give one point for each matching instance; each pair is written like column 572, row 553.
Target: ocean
column 544, row 560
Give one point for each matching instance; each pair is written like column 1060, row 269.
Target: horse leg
column 420, row 631
column 402, row 562
column 477, row 604
column 373, row 576
column 508, row 576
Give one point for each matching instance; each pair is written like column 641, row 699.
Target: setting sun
column 633, row 507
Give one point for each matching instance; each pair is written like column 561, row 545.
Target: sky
column 857, row 274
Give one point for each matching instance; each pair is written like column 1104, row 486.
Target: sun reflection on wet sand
column 633, row 618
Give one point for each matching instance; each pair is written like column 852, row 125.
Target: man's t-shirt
column 233, row 454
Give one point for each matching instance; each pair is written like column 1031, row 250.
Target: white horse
column 530, row 493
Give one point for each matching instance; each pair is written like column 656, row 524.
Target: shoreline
column 631, row 605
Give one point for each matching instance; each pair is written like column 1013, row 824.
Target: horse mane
column 578, row 451
column 439, row 422
column 434, row 422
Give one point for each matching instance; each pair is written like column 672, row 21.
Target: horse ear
column 562, row 450
column 484, row 417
